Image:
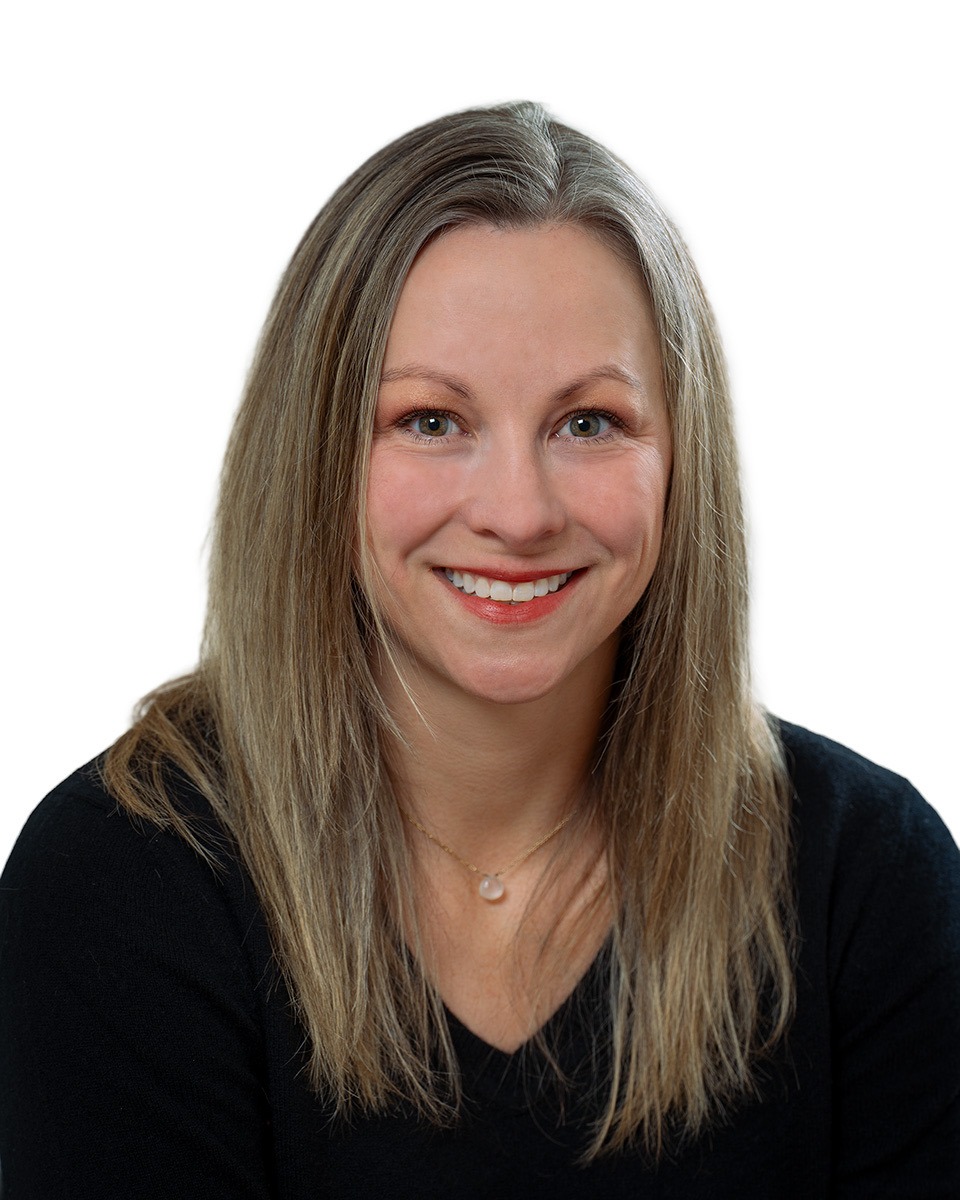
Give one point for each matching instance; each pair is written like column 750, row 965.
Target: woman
column 465, row 860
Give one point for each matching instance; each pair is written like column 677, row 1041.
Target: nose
column 514, row 497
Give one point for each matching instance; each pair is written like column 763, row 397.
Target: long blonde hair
column 280, row 726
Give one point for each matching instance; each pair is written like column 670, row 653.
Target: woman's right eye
column 431, row 425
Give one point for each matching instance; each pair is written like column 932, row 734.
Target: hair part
column 281, row 726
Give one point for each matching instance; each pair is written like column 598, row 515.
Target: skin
column 521, row 432
column 493, row 332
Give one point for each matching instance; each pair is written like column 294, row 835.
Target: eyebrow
column 414, row 371
column 609, row 371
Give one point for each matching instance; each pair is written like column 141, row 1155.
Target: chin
column 512, row 694
column 513, row 685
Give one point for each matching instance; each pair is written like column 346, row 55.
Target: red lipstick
column 500, row 612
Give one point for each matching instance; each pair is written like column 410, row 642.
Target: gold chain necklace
column 491, row 885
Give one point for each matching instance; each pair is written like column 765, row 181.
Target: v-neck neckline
column 576, row 1042
column 479, row 1047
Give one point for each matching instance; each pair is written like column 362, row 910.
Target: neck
column 487, row 776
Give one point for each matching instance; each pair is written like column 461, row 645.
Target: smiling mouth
column 506, row 593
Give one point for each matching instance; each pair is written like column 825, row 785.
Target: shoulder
column 82, row 863
column 878, row 893
column 79, row 819
column 871, row 853
column 848, row 810
column 822, row 769
column 134, row 978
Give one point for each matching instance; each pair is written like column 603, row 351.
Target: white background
column 161, row 162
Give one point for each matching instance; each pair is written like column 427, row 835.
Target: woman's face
column 520, row 462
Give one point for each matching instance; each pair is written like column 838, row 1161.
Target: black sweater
column 147, row 1047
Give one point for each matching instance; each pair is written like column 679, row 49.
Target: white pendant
column 491, row 887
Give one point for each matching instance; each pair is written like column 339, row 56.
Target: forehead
column 552, row 299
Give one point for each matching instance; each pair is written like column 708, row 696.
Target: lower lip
column 497, row 612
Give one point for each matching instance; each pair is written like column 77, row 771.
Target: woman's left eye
column 587, row 425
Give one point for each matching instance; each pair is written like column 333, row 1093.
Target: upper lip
column 508, row 575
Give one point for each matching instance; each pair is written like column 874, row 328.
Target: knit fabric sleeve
column 131, row 1059
column 889, row 886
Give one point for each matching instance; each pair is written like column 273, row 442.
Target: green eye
column 433, row 424
column 587, row 425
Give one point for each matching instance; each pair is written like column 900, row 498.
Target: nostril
column 516, row 508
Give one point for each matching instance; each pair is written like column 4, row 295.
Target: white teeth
column 500, row 590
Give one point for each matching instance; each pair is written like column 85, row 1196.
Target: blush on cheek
column 404, row 501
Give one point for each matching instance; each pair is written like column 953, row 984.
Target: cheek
column 624, row 505
column 405, row 502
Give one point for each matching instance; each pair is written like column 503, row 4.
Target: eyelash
column 616, row 424
column 406, row 422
